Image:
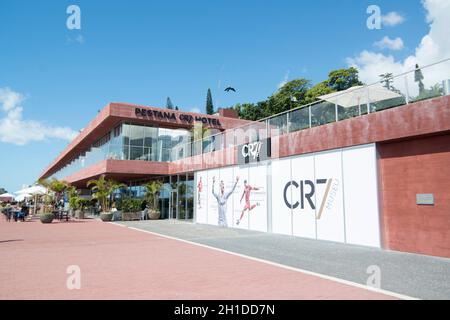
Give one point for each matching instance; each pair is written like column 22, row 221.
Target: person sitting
column 20, row 215
column 114, row 210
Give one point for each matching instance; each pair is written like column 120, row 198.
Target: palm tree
column 48, row 198
column 103, row 189
column 56, row 187
column 152, row 194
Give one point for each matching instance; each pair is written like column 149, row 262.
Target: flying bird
column 230, row 89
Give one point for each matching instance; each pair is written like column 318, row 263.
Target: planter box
column 117, row 215
column 46, row 217
column 79, row 214
column 154, row 214
column 105, row 217
column 129, row 216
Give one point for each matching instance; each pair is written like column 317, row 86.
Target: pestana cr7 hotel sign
column 172, row 116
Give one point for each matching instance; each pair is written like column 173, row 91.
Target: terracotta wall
column 407, row 168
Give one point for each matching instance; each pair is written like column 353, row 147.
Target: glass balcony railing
column 393, row 91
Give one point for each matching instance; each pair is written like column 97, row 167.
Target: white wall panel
column 329, row 196
column 360, row 196
column 304, row 215
column 213, row 214
column 227, row 177
column 243, row 174
column 341, row 185
column 258, row 198
column 281, row 214
column 201, row 196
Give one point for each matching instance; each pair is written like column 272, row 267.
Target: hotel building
column 369, row 166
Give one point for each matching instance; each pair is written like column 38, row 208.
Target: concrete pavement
column 121, row 263
column 414, row 275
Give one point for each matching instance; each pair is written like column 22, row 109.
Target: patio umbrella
column 21, row 197
column 6, row 197
column 34, row 190
column 356, row 96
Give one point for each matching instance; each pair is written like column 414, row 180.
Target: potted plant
column 73, row 200
column 47, row 215
column 102, row 190
column 131, row 209
column 152, row 197
column 81, row 205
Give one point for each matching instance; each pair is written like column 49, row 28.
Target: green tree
column 152, row 193
column 292, row 90
column 3, row 190
column 103, row 189
column 209, row 103
column 343, row 79
column 251, row 111
column 318, row 90
column 57, row 187
column 299, row 92
column 169, row 104
column 386, row 79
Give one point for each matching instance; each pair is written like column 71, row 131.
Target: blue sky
column 144, row 51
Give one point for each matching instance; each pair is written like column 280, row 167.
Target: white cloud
column 285, row 79
column 10, row 99
column 392, row 19
column 14, row 129
column 388, row 43
column 433, row 47
column 195, row 110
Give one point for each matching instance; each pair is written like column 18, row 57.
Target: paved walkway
column 121, row 263
column 413, row 275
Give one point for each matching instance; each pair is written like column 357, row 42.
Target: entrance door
column 173, row 208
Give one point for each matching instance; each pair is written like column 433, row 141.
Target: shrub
column 131, row 205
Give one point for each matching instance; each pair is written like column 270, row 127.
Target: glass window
column 151, row 136
column 136, row 153
column 165, row 154
column 126, row 134
column 136, row 136
column 126, row 153
column 147, row 154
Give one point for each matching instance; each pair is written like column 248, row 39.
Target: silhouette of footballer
column 200, row 190
column 247, row 189
column 222, row 198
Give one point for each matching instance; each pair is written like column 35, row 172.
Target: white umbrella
column 7, row 195
column 21, row 197
column 356, row 96
column 34, row 190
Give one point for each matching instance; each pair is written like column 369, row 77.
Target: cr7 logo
column 306, row 194
column 252, row 149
